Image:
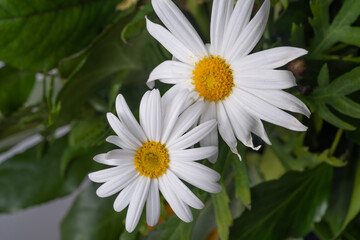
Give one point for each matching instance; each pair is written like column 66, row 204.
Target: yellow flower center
column 213, row 78
column 152, row 159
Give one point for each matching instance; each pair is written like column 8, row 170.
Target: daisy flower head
column 154, row 156
column 237, row 88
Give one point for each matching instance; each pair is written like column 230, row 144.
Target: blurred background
column 62, row 64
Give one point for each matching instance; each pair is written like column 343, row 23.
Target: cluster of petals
column 160, row 121
column 258, row 87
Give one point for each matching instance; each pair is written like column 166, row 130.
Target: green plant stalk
column 336, row 141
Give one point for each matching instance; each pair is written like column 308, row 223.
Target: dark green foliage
column 92, row 218
column 36, row 35
column 286, row 207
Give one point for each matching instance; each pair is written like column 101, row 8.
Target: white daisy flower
column 154, row 156
column 237, row 88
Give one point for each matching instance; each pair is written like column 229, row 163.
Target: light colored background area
column 40, row 222
column 37, row 223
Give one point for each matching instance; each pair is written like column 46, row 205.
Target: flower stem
column 336, row 141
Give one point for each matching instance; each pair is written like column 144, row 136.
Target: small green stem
column 336, row 141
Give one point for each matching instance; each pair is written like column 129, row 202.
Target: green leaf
column 286, row 207
column 106, row 62
column 323, row 78
column 270, row 165
column 340, row 29
column 354, row 207
column 92, row 218
column 15, row 88
column 36, row 36
column 88, row 132
column 333, row 94
column 297, row 38
column 352, row 232
column 242, row 181
column 34, row 177
column 345, row 199
column 136, row 24
column 204, row 223
column 222, row 212
column 172, row 229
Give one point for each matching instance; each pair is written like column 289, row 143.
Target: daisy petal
column 193, row 154
column 197, row 177
column 153, row 204
column 225, row 129
column 168, row 97
column 181, row 209
column 123, row 159
column 268, row 59
column 100, row 158
column 187, row 119
column 120, row 142
column 183, row 192
column 172, row 70
column 174, row 80
column 121, row 154
column 177, row 23
column 105, row 174
column 193, row 136
column 137, row 203
column 143, row 115
column 173, row 112
column 128, row 118
column 238, row 20
column 124, row 197
column 171, row 43
column 241, row 124
column 254, row 122
column 122, row 131
column 265, row 79
column 116, row 183
column 263, row 110
column 220, row 15
column 154, row 115
column 251, row 34
column 282, row 100
column 212, row 139
column 196, row 169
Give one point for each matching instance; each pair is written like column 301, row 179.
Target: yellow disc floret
column 152, row 159
column 213, row 78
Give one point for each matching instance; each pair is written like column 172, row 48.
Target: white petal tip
column 256, row 148
column 100, row 193
column 213, row 159
column 90, row 176
column 150, row 84
column 237, row 153
column 307, row 113
column 129, row 228
column 151, row 221
column 99, row 158
column 218, row 189
column 302, row 52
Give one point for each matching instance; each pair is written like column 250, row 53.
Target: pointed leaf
column 286, row 207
